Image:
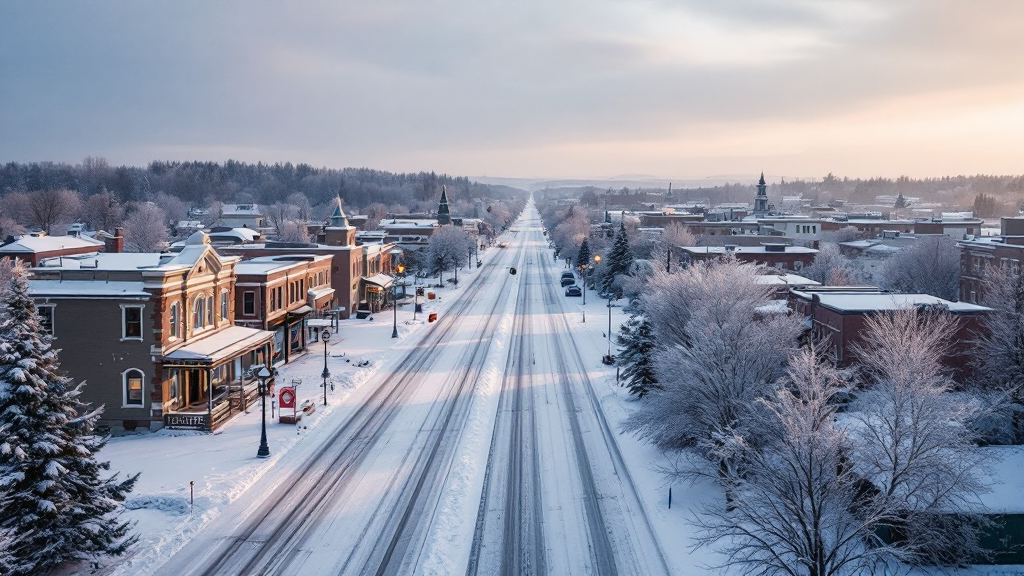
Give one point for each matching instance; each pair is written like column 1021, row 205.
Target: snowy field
column 223, row 465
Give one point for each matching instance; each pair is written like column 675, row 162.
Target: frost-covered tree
column 50, row 207
column 830, row 267
column 56, row 506
column 930, row 266
column 620, row 261
column 794, row 506
column 102, row 211
column 718, row 352
column 447, row 248
column 145, row 229
column 912, row 438
column 999, row 357
column 636, row 337
column 293, row 231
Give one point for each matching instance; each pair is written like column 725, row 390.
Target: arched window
column 199, row 313
column 134, row 384
column 175, row 318
column 209, row 310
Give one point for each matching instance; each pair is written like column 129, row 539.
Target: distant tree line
column 202, row 183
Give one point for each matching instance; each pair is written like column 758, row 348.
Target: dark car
column 573, row 290
column 568, row 282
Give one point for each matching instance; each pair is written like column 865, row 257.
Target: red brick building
column 976, row 255
column 278, row 293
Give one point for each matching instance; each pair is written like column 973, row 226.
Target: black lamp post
column 609, row 359
column 263, row 375
column 394, row 300
column 325, row 335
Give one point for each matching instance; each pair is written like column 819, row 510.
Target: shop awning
column 222, row 346
column 300, row 311
column 382, row 280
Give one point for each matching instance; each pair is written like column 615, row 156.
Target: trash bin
column 419, row 308
column 432, row 317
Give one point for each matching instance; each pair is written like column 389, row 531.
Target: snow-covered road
column 479, row 445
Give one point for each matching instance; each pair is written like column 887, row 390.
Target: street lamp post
column 263, row 375
column 325, row 335
column 394, row 300
column 609, row 359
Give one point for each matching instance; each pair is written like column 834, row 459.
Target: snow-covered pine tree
column 583, row 256
column 619, row 260
column 637, row 356
column 55, row 506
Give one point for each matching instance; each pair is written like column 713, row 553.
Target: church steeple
column 338, row 218
column 444, row 215
column 761, row 200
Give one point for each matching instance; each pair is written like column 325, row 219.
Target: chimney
column 115, row 245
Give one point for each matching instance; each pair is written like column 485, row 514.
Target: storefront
column 209, row 380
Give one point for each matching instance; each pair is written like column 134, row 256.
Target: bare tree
column 278, row 214
column 719, row 353
column 102, row 211
column 293, row 231
column 304, row 210
column 374, row 214
column 10, row 228
column 50, row 207
column 145, row 229
column 999, row 357
column 913, row 440
column 830, row 267
column 793, row 501
column 173, row 208
column 447, row 247
column 930, row 266
column 844, row 234
column 15, row 206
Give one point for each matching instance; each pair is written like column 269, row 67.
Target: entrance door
column 193, row 388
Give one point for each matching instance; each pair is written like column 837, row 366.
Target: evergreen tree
column 583, row 256
column 619, row 260
column 637, row 356
column 54, row 505
column 901, row 202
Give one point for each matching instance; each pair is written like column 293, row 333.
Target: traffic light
column 419, row 291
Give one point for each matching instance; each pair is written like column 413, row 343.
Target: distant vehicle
column 503, row 245
column 567, row 282
column 568, row 274
column 573, row 290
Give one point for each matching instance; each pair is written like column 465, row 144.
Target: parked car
column 568, row 274
column 573, row 290
column 568, row 282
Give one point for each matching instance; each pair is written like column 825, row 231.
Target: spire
column 761, row 200
column 338, row 218
column 444, row 215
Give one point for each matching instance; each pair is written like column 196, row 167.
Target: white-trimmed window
column 175, row 319
column 248, row 303
column 224, row 305
column 209, row 310
column 131, row 322
column 134, row 387
column 46, row 315
column 199, row 313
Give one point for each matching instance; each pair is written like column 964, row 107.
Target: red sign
column 287, row 398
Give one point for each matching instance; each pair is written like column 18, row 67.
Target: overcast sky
column 549, row 88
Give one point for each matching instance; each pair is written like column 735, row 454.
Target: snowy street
column 473, row 444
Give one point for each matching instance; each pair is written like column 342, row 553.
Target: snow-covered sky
column 528, row 88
